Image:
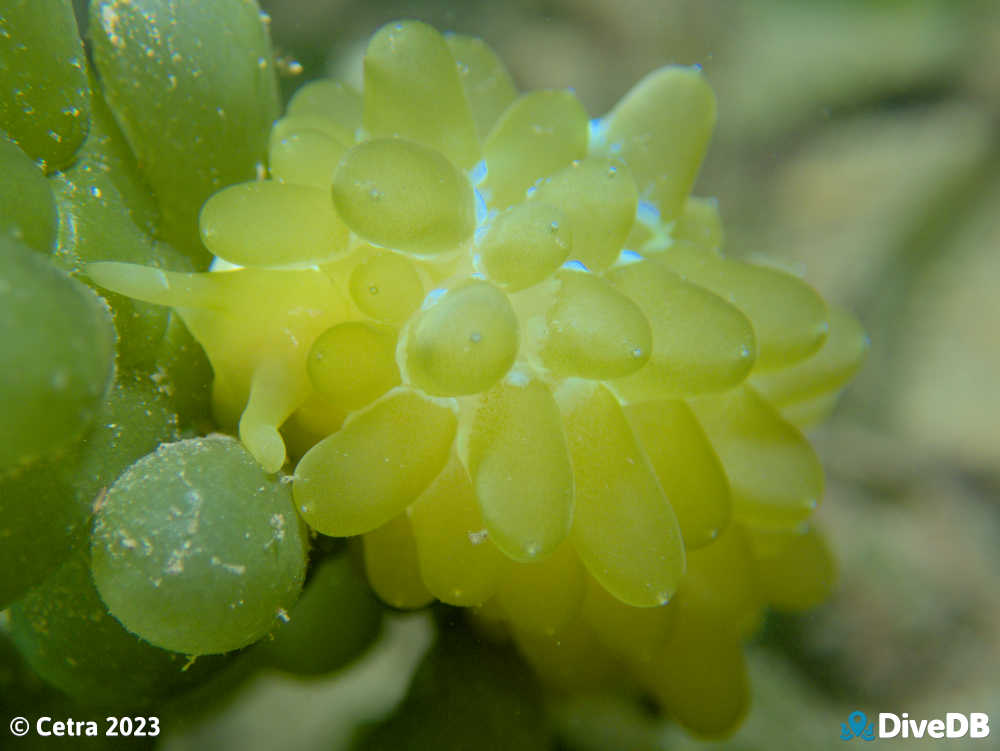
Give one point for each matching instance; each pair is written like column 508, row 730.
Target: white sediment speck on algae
column 477, row 537
column 278, row 525
column 237, row 569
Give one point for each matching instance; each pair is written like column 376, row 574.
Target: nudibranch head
column 504, row 346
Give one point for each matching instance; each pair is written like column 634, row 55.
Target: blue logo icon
column 857, row 726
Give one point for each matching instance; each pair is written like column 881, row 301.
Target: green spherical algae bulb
column 464, row 342
column 405, row 196
column 45, row 107
column 40, row 521
column 106, row 214
column 56, row 357
column 467, row 694
column 193, row 86
column 27, row 208
column 68, row 637
column 45, row 509
column 197, row 550
column 334, row 621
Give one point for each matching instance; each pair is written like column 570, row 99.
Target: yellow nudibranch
column 499, row 341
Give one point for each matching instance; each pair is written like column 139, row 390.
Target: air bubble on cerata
column 628, row 256
column 432, row 297
column 574, row 265
column 597, row 131
column 518, row 378
column 220, row 264
column 647, row 213
column 478, row 172
column 482, row 210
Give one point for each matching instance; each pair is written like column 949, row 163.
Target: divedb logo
column 889, row 725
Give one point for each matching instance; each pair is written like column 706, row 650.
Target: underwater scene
column 557, row 375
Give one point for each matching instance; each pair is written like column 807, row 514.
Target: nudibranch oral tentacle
column 504, row 346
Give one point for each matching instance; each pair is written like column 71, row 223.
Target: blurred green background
column 858, row 144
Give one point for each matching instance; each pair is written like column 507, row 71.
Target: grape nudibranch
column 499, row 341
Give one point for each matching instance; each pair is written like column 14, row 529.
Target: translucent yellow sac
column 488, row 86
column 268, row 223
column 701, row 343
column 798, row 574
column 390, row 554
column 313, row 421
column 700, row 676
column 827, row 370
column 572, row 660
column 458, row 563
column 402, row 195
column 624, row 529
column 292, row 124
column 376, row 465
column 386, row 287
column 517, row 458
column 599, row 197
column 661, row 129
column 789, row 318
column 540, row 133
column 489, row 621
column 306, row 157
column 810, row 412
column 722, row 577
column 593, row 330
column 686, row 465
column 412, row 90
column 524, row 244
column 636, row 634
column 545, row 596
column 464, row 342
column 353, row 363
column 256, row 327
column 331, row 99
column 700, row 224
column 775, row 476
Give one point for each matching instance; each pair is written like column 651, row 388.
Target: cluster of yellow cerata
column 498, row 340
